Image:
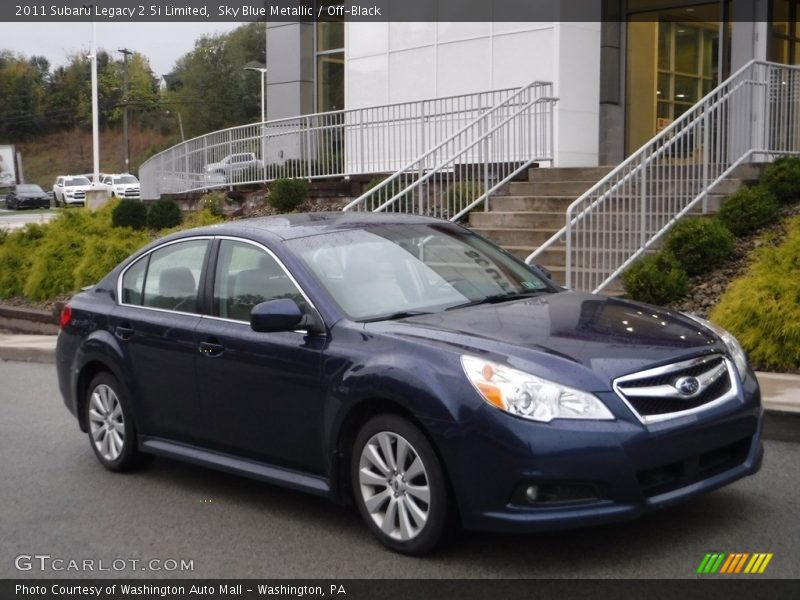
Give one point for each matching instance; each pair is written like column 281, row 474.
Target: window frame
column 201, row 282
column 210, row 279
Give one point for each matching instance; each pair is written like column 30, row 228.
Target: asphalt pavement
column 57, row 500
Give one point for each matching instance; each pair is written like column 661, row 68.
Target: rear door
column 155, row 323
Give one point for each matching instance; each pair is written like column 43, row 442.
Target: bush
column 164, row 214
column 748, row 209
column 287, row 194
column 129, row 213
column 101, row 254
column 656, row 279
column 53, row 266
column 16, row 256
column 700, row 244
column 460, row 194
column 214, row 202
column 762, row 309
column 782, row 179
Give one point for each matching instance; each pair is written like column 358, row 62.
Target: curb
column 28, row 354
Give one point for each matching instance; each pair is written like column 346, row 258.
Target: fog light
column 532, row 493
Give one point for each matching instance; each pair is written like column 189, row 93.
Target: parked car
column 27, row 195
column 240, row 166
column 123, row 185
column 70, row 189
column 407, row 364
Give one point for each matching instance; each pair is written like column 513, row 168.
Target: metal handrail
column 377, row 139
column 753, row 115
column 463, row 170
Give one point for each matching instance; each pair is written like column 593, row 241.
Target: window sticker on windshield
column 530, row 285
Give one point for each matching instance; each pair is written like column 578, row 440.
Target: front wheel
column 110, row 425
column 399, row 485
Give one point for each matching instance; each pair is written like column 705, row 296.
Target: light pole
column 125, row 145
column 256, row 66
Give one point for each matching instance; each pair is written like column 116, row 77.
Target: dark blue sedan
column 409, row 366
column 27, row 195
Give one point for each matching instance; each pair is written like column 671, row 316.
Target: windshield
column 125, row 179
column 77, row 181
column 29, row 188
column 391, row 270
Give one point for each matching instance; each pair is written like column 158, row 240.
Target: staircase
column 532, row 211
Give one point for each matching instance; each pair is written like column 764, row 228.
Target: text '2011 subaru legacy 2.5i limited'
column 409, row 366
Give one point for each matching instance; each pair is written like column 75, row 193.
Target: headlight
column 528, row 396
column 730, row 342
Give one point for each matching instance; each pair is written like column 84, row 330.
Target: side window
column 173, row 276
column 246, row 276
column 133, row 282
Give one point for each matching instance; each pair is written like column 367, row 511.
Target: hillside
column 70, row 152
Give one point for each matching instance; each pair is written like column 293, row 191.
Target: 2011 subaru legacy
column 409, row 366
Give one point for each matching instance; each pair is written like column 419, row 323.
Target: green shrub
column 129, row 213
column 101, row 254
column 748, row 209
column 16, row 256
column 700, row 244
column 52, row 269
column 214, row 202
column 762, row 309
column 460, row 194
column 164, row 214
column 656, row 279
column 782, row 179
column 287, row 194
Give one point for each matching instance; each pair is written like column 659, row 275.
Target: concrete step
column 550, row 188
column 517, row 219
column 568, row 173
column 507, row 237
column 530, row 203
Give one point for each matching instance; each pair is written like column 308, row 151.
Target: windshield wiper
column 496, row 298
column 398, row 315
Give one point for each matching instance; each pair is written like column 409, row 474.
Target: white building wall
column 398, row 62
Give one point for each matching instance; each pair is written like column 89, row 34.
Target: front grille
column 131, row 193
column 663, row 392
column 79, row 194
column 666, row 478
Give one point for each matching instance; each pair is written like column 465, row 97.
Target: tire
column 109, row 423
column 407, row 511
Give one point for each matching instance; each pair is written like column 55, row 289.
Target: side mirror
column 275, row 315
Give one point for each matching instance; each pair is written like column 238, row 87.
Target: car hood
column 31, row 194
column 596, row 338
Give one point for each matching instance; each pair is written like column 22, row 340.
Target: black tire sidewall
column 434, row 530
column 129, row 457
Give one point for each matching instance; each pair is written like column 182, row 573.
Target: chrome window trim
column 148, row 253
column 734, row 392
column 207, row 316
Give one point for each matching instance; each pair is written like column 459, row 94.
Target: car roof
column 297, row 225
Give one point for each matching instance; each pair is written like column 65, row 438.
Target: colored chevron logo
column 734, row 563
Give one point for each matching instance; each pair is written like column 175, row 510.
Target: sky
column 162, row 43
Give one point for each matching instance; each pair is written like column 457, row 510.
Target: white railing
column 379, row 139
column 464, row 169
column 752, row 116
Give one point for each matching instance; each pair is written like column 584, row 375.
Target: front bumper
column 629, row 468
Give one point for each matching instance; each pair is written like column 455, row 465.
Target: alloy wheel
column 394, row 486
column 106, row 422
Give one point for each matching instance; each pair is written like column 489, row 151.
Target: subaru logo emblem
column 687, row 386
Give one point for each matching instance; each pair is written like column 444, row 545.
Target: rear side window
column 168, row 278
column 246, row 276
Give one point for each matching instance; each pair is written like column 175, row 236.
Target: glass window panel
column 330, row 82
column 173, row 276
column 681, row 108
column 687, row 49
column 686, row 89
column 710, row 52
column 246, row 276
column 664, row 110
column 330, row 35
column 663, row 91
column 133, row 282
column 664, row 45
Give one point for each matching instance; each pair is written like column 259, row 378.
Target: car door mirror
column 276, row 315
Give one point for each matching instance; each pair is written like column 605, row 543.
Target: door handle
column 209, row 349
column 124, row 331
